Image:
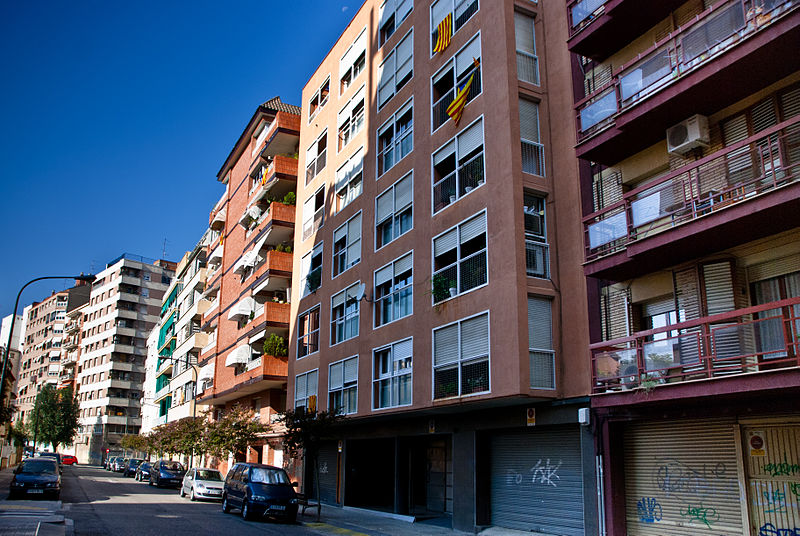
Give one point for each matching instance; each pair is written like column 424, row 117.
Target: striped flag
column 456, row 107
column 263, row 177
column 444, row 31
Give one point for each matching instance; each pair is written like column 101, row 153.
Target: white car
column 202, row 483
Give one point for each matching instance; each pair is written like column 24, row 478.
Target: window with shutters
column 397, row 69
column 392, row 380
column 532, row 148
column 394, row 211
column 461, row 11
column 319, row 99
column 459, row 259
column 458, row 167
column 452, row 77
column 308, row 332
column 396, row 138
column 349, row 179
column 305, row 390
column 347, row 245
column 311, row 270
column 343, row 386
column 351, row 119
column 392, row 15
column 353, row 61
column 316, row 157
column 345, row 312
column 393, row 290
column 314, row 213
column 540, row 343
column 525, row 38
column 461, row 357
column 537, row 253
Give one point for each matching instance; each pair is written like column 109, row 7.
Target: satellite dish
column 360, row 292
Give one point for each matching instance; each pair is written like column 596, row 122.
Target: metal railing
column 532, row 157
column 440, row 116
column 527, row 67
column 581, row 13
column 537, row 259
column 458, row 183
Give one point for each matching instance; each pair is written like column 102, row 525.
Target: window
column 461, row 357
column 316, row 156
column 537, row 258
column 314, row 213
column 305, row 390
column 525, row 37
column 347, row 245
column 540, row 343
column 396, row 69
column 352, row 63
column 349, row 180
column 308, row 332
column 391, row 383
column 532, row 149
column 351, row 119
column 396, row 138
column 392, row 14
column 393, row 211
column 260, row 135
column 462, row 10
column 393, row 290
column 453, row 76
column 319, row 99
column 458, row 166
column 345, row 314
column 311, row 270
column 459, row 259
column 343, row 386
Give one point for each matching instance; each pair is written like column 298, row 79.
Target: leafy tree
column 7, row 413
column 55, row 416
column 233, row 432
column 135, row 442
column 18, row 433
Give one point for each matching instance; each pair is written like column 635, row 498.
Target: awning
column 243, row 307
column 216, row 254
column 220, row 215
column 247, row 260
column 53, row 368
column 207, row 372
column 258, row 336
column 239, row 356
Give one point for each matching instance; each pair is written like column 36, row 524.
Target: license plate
column 212, row 492
column 278, row 507
column 35, row 491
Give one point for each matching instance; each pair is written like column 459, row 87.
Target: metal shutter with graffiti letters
column 537, row 481
column 328, row 471
column 681, row 478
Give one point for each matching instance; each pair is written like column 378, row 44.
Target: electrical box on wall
column 583, row 416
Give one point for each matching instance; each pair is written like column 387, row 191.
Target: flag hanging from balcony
column 444, row 31
column 456, row 107
column 263, row 177
column 222, row 237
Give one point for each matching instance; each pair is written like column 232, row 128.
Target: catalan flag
column 444, row 32
column 263, row 177
column 456, row 107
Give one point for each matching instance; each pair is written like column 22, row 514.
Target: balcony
column 270, row 373
column 439, row 112
column 282, row 167
column 742, row 342
column 275, row 264
column 458, row 183
column 161, row 394
column 681, row 75
column 272, row 314
column 282, row 137
column 277, row 217
column 741, row 193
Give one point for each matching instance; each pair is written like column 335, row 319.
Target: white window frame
column 390, row 63
column 306, row 376
column 450, row 64
column 310, row 216
column 305, row 267
column 351, row 241
column 459, row 259
column 347, row 65
column 392, row 375
column 346, row 385
column 537, row 242
column 531, row 150
column 348, row 317
column 321, row 100
column 350, row 180
column 458, row 169
column 396, row 14
column 394, row 215
column 260, row 135
column 526, row 57
column 308, row 335
column 454, row 4
column 398, row 139
column 395, row 289
column 461, row 361
column 354, row 123
column 314, row 161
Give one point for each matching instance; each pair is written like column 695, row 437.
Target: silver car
column 202, row 483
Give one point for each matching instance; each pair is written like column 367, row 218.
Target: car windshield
column 38, row 467
column 135, row 462
column 209, row 474
column 268, row 476
column 171, row 466
column 145, row 465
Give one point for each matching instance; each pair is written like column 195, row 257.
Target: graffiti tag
column 776, row 501
column 783, row 468
column 649, row 510
column 676, row 478
column 544, row 472
column 794, row 487
column 323, row 468
column 707, row 516
column 769, row 529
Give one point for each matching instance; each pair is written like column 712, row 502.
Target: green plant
column 290, row 199
column 440, row 287
column 314, row 279
column 279, row 248
column 276, row 346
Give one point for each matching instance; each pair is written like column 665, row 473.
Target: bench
column 303, row 502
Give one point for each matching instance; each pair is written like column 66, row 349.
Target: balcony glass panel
column 584, row 10
column 598, row 110
column 701, row 39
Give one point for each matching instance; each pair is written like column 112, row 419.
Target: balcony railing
column 691, row 46
column 440, row 116
column 724, row 178
column 759, row 338
column 527, row 67
column 582, row 12
column 537, row 259
column 458, row 183
column 533, row 157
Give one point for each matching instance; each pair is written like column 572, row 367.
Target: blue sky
column 116, row 117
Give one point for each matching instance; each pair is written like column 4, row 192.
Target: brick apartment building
column 71, row 348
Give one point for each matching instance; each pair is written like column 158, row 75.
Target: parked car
column 69, row 459
column 260, row 490
column 36, row 477
column 110, row 463
column 166, row 473
column 119, row 464
column 54, row 455
column 202, row 483
column 130, row 467
column 143, row 472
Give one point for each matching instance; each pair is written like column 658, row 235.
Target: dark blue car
column 260, row 491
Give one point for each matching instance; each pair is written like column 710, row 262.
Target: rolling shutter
column 439, row 11
column 445, row 243
column 773, row 268
column 464, row 59
column 523, row 33
column 386, row 79
column 328, row 472
column 403, row 193
column 384, row 206
column 529, row 120
column 475, row 337
column 403, row 265
column 472, row 228
column 445, row 345
column 470, row 139
column 404, row 52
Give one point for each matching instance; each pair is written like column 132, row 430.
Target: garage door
column 537, row 482
column 328, row 471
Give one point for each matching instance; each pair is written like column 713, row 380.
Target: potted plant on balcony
column 290, row 199
column 442, row 287
column 276, row 346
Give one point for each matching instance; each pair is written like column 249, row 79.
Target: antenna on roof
column 164, row 249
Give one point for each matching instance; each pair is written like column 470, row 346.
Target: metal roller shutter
column 681, row 478
column 537, row 481
column 328, row 472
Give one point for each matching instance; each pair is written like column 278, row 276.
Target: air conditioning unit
column 688, row 134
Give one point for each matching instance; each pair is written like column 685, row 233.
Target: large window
column 396, row 138
column 461, row 11
column 308, row 332
column 352, row 63
column 461, row 357
column 396, row 69
column 537, row 257
column 540, row 343
column 314, row 213
column 392, row 14
column 393, row 290
column 392, row 375
column 458, row 166
column 347, row 245
column 305, row 390
column 532, row 149
column 351, row 119
column 345, row 314
column 316, row 156
column 349, row 180
column 319, row 99
column 527, row 61
column 394, row 211
column 311, row 270
column 452, row 77
column 459, row 259
column 343, row 386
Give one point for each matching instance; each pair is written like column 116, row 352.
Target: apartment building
column 71, row 348
column 123, row 308
column 439, row 301
column 43, row 336
column 251, row 231
column 688, row 129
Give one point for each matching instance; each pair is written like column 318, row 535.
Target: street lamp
column 88, row 278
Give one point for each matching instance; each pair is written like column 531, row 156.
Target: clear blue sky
column 116, row 117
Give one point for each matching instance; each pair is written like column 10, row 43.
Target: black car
column 167, row 473
column 130, row 467
column 260, row 490
column 36, row 477
column 143, row 472
column 54, row 455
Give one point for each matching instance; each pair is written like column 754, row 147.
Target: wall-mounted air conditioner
column 688, row 134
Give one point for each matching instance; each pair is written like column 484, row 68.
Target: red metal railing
column 763, row 337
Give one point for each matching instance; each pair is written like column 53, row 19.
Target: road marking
column 333, row 529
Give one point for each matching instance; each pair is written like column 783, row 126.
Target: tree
column 55, row 416
column 135, row 442
column 237, row 428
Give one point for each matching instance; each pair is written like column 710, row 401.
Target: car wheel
column 246, row 512
column 182, row 494
column 191, row 495
column 225, row 506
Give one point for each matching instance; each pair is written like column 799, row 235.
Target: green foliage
column 283, row 248
column 290, row 199
column 7, row 413
column 55, row 416
column 233, row 432
column 276, row 346
column 314, row 279
column 18, row 433
column 441, row 285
